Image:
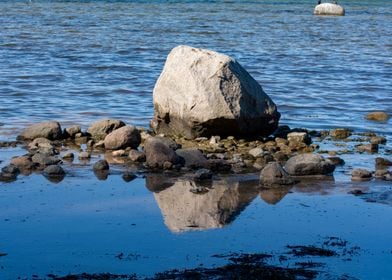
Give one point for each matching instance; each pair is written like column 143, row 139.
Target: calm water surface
column 80, row 61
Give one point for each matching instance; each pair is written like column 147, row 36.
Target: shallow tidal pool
column 155, row 223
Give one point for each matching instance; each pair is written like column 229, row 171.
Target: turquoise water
column 80, row 61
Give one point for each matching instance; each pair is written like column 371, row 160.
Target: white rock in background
column 329, row 9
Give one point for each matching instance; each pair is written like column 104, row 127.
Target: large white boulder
column 329, row 9
column 203, row 93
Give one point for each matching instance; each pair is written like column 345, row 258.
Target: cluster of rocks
column 214, row 117
column 381, row 171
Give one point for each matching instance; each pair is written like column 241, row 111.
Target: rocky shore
column 213, row 118
column 284, row 158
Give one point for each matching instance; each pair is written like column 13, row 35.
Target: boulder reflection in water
column 220, row 203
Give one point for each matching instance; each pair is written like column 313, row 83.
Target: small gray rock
column 50, row 130
column 98, row 130
column 308, row 164
column 44, row 160
column 72, row 131
column 123, row 137
column 273, row 174
column 158, row 152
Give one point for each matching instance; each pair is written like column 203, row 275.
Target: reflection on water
column 218, row 205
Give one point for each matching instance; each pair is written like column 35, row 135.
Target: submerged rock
column 378, row 116
column 274, row 175
column 308, row 164
column 50, row 130
column 329, row 9
column 204, row 93
column 98, row 130
column 123, row 137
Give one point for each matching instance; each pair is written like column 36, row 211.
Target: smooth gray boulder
column 204, row 93
column 50, row 130
column 308, row 164
column 329, row 9
column 123, row 137
column 99, row 129
column 158, row 152
column 273, row 174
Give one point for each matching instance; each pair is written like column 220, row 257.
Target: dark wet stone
column 192, row 158
column 54, row 170
column 158, row 151
column 54, row 173
column 45, row 160
column 101, row 165
column 274, row 175
column 282, row 131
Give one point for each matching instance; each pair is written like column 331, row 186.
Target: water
column 80, row 61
